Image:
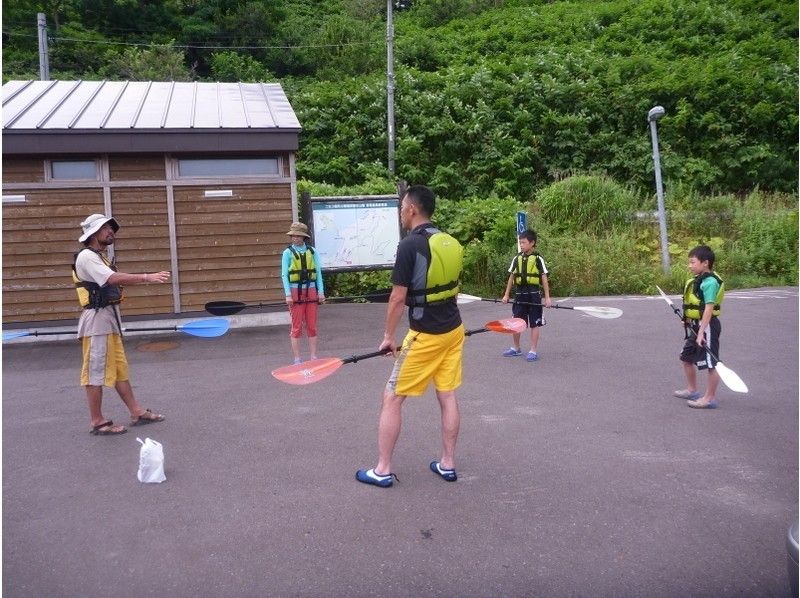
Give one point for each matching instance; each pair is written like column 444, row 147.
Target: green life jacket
column 90, row 294
column 303, row 267
column 527, row 270
column 693, row 303
column 443, row 278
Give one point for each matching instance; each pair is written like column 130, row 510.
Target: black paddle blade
column 224, row 308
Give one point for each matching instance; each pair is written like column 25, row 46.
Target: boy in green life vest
column 702, row 300
column 529, row 277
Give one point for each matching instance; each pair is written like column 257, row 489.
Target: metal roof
column 145, row 115
column 145, row 105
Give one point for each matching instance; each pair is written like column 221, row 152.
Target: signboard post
column 522, row 226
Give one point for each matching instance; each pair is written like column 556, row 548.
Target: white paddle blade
column 606, row 313
column 463, row 299
column 730, row 378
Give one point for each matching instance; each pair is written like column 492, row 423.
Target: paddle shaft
column 475, row 331
column 355, row 358
column 56, row 332
column 229, row 308
column 554, row 305
column 72, row 332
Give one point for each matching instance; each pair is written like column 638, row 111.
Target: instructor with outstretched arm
column 426, row 278
column 99, row 287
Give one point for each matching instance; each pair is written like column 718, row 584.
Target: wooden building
column 200, row 177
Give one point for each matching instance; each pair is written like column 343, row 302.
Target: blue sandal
column 448, row 475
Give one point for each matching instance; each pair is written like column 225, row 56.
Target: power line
column 56, row 38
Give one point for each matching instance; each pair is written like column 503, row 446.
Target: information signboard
column 356, row 233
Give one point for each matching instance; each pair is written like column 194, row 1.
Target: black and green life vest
column 303, row 267
column 693, row 303
column 442, row 279
column 527, row 273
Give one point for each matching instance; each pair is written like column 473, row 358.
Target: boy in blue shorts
column 702, row 300
column 528, row 274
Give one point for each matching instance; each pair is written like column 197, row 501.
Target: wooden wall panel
column 142, row 245
column 41, row 236
column 23, row 170
column 227, row 248
column 39, row 240
column 137, row 168
column 230, row 248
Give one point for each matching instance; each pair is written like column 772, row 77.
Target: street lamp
column 653, row 115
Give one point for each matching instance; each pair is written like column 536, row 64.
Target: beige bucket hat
column 93, row 223
column 298, row 228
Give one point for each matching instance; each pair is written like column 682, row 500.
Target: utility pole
column 390, row 83
column 44, row 61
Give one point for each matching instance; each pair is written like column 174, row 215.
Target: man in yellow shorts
column 99, row 288
column 426, row 277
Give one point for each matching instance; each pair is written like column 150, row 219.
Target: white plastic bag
column 151, row 462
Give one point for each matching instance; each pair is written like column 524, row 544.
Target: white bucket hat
column 93, row 223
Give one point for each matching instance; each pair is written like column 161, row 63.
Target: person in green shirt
column 702, row 301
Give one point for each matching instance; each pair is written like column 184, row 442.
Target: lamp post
column 653, row 115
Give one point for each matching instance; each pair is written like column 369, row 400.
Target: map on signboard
column 353, row 234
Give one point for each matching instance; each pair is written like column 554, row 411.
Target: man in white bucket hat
column 99, row 288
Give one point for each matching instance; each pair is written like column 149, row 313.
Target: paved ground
column 579, row 475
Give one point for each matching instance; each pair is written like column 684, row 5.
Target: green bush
column 766, row 241
column 583, row 264
column 593, row 204
column 346, row 284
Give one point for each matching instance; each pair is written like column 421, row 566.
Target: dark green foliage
column 507, row 100
column 493, row 96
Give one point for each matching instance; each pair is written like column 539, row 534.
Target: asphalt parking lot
column 579, row 475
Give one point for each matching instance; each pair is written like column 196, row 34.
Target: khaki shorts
column 104, row 362
column 425, row 357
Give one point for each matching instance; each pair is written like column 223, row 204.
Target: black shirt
column 413, row 259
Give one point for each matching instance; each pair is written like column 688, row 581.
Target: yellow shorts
column 104, row 362
column 425, row 357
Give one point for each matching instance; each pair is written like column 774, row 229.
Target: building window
column 213, row 167
column 73, row 170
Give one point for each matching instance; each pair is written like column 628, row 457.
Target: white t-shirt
column 94, row 322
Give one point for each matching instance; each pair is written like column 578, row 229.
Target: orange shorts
column 425, row 357
column 304, row 313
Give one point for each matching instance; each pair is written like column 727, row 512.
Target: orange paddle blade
column 308, row 372
column 509, row 325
